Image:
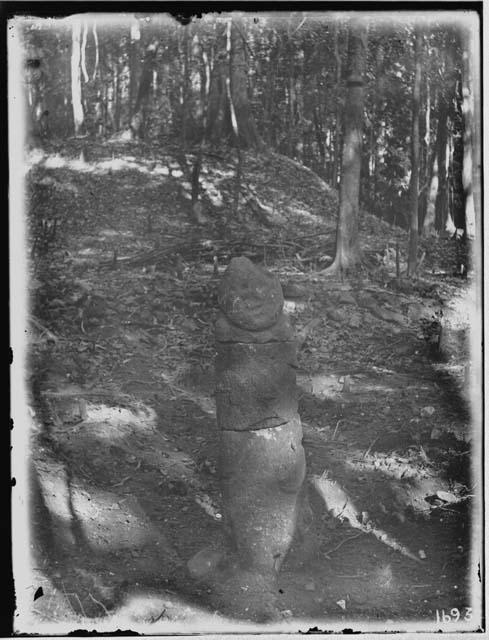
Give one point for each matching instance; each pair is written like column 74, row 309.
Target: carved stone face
column 249, row 296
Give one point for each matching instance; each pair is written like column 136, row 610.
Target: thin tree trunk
column 117, row 99
column 414, row 185
column 441, row 147
column 291, row 136
column 95, row 39
column 377, row 116
column 134, row 65
column 319, row 139
column 269, row 103
column 185, row 86
column 195, row 174
column 471, row 155
column 83, row 62
column 424, row 171
column 450, row 225
column 139, row 112
column 234, row 120
column 432, row 190
column 347, row 244
column 475, row 84
column 339, row 109
column 109, row 90
column 76, row 89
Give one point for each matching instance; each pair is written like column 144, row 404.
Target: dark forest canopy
column 276, row 80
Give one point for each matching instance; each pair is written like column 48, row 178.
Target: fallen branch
column 99, row 603
column 79, row 392
column 153, row 620
column 370, row 447
column 123, row 481
column 339, row 504
column 75, row 595
column 336, row 429
column 328, row 553
column 49, row 334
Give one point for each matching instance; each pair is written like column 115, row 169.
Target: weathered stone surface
column 256, row 385
column 261, row 475
column 249, row 296
column 262, row 461
column 226, row 331
column 247, row 594
column 205, row 562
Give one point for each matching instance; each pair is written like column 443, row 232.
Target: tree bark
column 138, row 119
column 339, row 109
column 95, row 39
column 195, row 172
column 290, row 94
column 318, row 129
column 134, row 66
column 347, row 244
column 377, row 126
column 457, row 159
column 425, row 163
column 185, row 86
column 231, row 71
column 432, row 190
column 248, row 134
column 117, row 101
column 83, row 61
column 414, row 185
column 372, row 123
column 269, row 102
column 471, row 152
column 475, row 84
column 441, row 205
column 76, row 89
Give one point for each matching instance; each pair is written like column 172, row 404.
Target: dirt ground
column 124, row 454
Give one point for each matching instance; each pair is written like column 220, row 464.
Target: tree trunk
column 76, row 89
column 185, row 86
column 269, row 102
column 134, row 66
column 205, row 95
column 432, row 190
column 109, row 91
column 457, row 159
column 231, row 71
column 339, row 109
column 83, row 51
column 138, row 119
column 290, row 93
column 95, row 39
column 414, row 185
column 441, row 205
column 347, row 245
column 471, row 143
column 248, row 135
column 475, row 85
column 117, row 100
column 377, row 118
column 318, row 129
column 425, row 164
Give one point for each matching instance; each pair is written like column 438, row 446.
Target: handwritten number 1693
column 454, row 615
